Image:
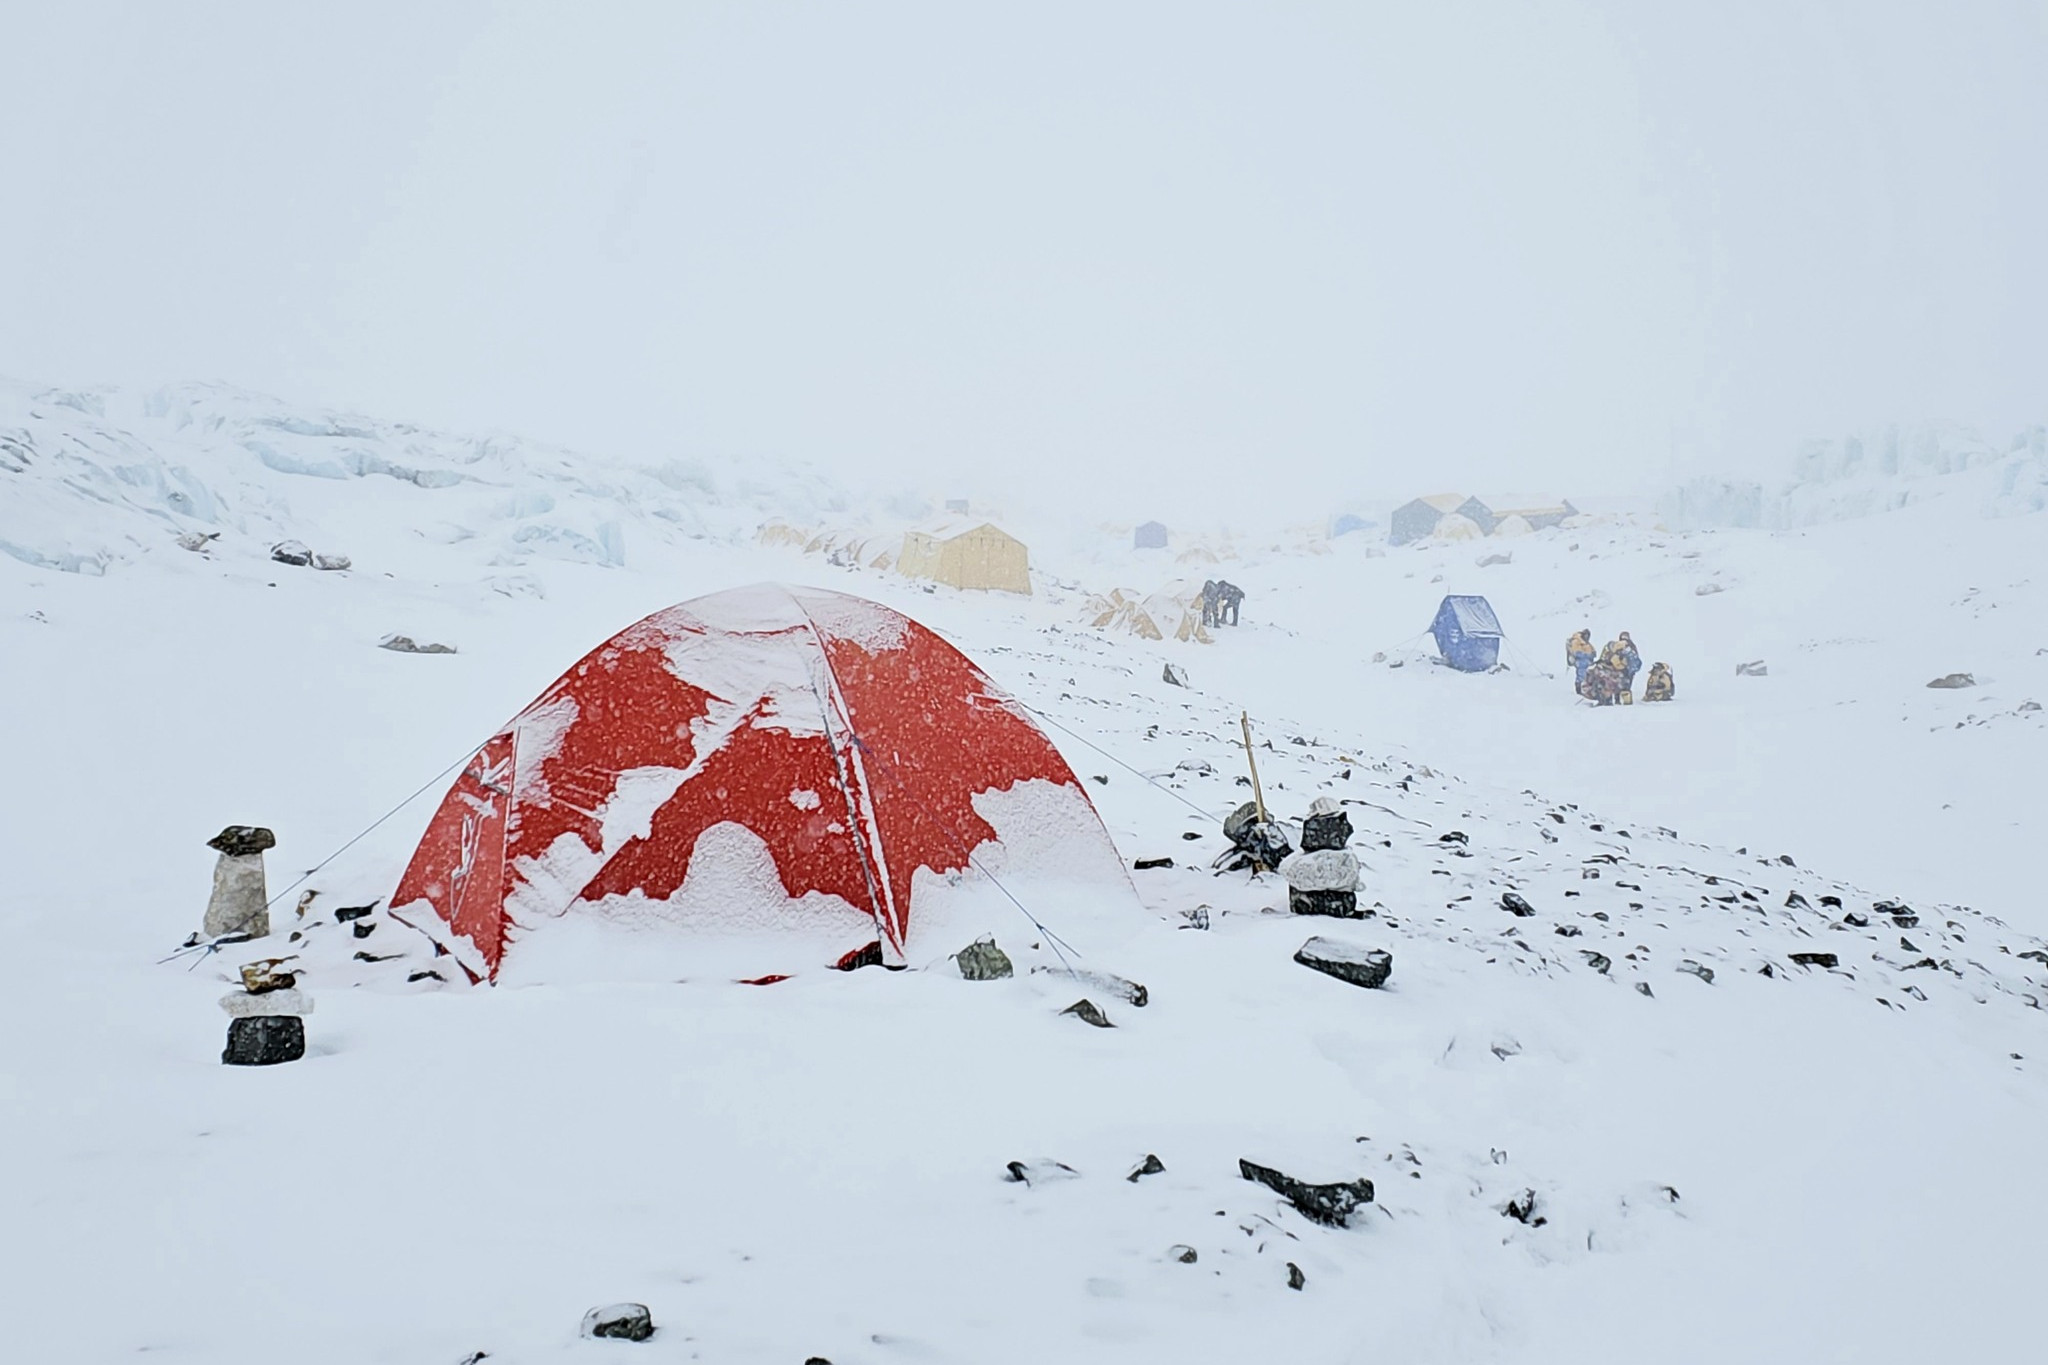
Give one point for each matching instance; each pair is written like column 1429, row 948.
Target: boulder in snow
column 1177, row 676
column 1367, row 967
column 1513, row 903
column 1151, row 1165
column 1086, row 1011
column 1330, row 1205
column 981, row 960
column 332, row 562
column 1814, row 959
column 292, row 552
column 264, row 1039
column 1753, row 669
column 623, row 1321
column 1043, row 1171
column 197, row 540
column 1954, row 680
column 239, row 841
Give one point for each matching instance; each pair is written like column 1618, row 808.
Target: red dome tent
column 829, row 740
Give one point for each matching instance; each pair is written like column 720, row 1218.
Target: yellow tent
column 981, row 557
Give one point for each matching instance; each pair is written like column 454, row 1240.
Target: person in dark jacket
column 1621, row 655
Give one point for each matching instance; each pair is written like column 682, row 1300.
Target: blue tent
column 1348, row 522
column 1467, row 634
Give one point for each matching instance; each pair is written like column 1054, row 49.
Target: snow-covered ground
column 1785, row 1162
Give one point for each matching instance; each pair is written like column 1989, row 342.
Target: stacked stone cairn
column 1322, row 879
column 267, row 1017
column 240, row 905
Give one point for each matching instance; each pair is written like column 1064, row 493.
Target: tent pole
column 1244, row 721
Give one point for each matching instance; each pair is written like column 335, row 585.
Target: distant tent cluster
column 1174, row 612
column 958, row 554
column 1453, row 516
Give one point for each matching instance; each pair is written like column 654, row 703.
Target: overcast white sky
column 1391, row 245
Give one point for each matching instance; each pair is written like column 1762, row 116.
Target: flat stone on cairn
column 266, row 1020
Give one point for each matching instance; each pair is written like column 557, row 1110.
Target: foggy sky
column 1394, row 246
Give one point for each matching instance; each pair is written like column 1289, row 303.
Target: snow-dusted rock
column 622, row 1321
column 238, row 904
column 405, row 644
column 247, row 1005
column 1326, row 827
column 1368, row 967
column 1953, row 680
column 292, row 552
column 982, row 960
column 1331, row 1205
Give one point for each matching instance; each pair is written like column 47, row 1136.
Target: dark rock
column 351, row 912
column 1330, row 1205
column 1456, row 836
column 362, row 956
column 1368, row 967
column 1177, row 676
column 1698, row 969
column 265, row 1040
column 1182, row 1253
column 1336, row 904
column 1040, row 1172
column 1147, row 864
column 363, row 928
column 1795, row 901
column 1832, row 902
column 1324, row 831
column 1295, row 1279
column 1906, row 920
column 426, row 974
column 622, row 1321
column 291, row 552
column 1855, row 920
column 981, row 960
column 1522, row 1208
column 1190, row 835
column 1085, row 1010
column 1908, row 945
column 1515, row 905
column 1643, row 987
column 1197, row 918
column 2036, row 955
column 1151, row 1165
column 1599, row 962
column 1815, row 959
column 1566, row 930
column 239, row 841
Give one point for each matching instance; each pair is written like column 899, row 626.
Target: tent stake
column 1258, row 797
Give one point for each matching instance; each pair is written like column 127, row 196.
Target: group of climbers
column 1608, row 676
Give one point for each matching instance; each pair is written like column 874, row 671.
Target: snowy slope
column 1803, row 1163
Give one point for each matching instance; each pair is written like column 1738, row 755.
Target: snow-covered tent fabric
column 1150, row 536
column 1468, row 634
column 786, row 757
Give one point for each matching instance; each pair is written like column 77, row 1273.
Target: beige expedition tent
column 979, row 557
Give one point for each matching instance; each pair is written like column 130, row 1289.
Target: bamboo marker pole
column 1244, row 721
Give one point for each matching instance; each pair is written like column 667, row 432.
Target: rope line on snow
column 960, row 846
column 1153, row 782
column 423, row 788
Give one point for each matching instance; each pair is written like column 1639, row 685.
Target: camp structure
column 1417, row 519
column 1174, row 612
column 1150, row 536
column 981, row 556
column 1494, row 515
column 1468, row 634
column 800, row 773
column 1345, row 523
